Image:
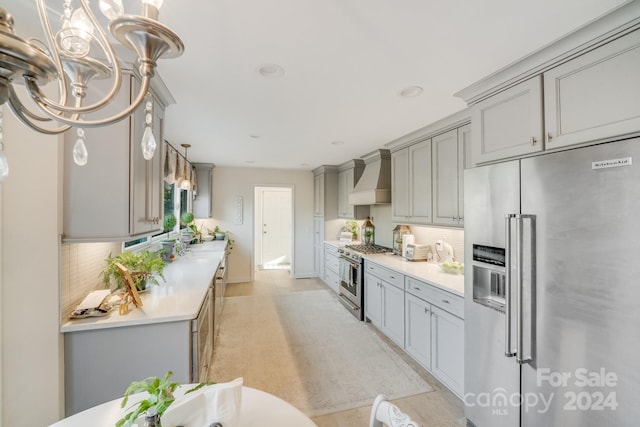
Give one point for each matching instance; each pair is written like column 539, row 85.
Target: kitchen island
column 172, row 331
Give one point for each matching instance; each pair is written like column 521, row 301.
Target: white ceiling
column 345, row 62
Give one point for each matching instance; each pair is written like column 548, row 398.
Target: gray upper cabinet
column 509, row 124
column 411, row 184
column 146, row 195
column 325, row 192
column 348, row 175
column 118, row 195
column 581, row 89
column 594, row 96
column 202, row 203
column 449, row 150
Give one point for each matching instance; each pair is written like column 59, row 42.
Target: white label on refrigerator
column 613, row 163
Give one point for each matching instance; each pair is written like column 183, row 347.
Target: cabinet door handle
column 549, row 136
column 426, row 310
column 533, row 140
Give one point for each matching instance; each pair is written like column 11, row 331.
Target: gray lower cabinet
column 447, row 349
column 101, row 363
column 332, row 267
column 418, row 330
column 435, row 331
column 426, row 321
column 384, row 305
column 393, row 313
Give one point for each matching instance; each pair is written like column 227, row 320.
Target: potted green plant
column 160, row 391
column 191, row 230
column 169, row 245
column 143, row 265
column 220, row 235
column 352, row 227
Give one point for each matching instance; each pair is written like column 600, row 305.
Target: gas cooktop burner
column 368, row 249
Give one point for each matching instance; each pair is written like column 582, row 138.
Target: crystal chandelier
column 74, row 55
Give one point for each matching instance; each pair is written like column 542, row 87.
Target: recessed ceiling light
column 254, row 136
column 410, row 91
column 270, row 71
column 337, row 143
column 250, row 162
column 304, row 164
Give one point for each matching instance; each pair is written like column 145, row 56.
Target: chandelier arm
column 34, row 90
column 23, row 115
column 63, row 84
column 44, row 20
column 13, row 97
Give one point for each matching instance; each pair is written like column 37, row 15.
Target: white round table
column 258, row 409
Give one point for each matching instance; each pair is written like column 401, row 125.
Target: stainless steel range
column 352, row 276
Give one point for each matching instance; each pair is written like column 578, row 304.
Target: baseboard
column 311, row 275
column 239, row 279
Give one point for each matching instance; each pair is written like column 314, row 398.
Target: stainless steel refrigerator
column 552, row 289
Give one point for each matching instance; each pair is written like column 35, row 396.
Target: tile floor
column 439, row 408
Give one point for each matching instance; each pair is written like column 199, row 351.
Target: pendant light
column 186, row 181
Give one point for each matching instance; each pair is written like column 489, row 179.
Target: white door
column 276, row 227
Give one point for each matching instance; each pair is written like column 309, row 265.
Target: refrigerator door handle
column 508, row 349
column 520, row 358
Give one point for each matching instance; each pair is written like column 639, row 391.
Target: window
column 168, row 207
column 176, row 202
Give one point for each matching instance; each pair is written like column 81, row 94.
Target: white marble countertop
column 339, row 244
column 429, row 272
column 178, row 298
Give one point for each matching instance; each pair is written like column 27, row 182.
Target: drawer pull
column 392, row 277
column 446, row 301
column 415, row 288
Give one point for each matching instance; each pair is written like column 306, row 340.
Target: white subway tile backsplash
column 429, row 235
column 81, row 264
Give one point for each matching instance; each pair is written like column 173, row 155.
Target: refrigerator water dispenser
column 489, row 276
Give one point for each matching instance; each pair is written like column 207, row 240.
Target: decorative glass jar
column 368, row 233
column 398, row 232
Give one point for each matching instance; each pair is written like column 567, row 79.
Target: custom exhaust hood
column 374, row 186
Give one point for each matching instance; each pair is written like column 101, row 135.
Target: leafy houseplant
column 142, row 265
column 160, row 396
column 169, row 223
column 186, row 219
column 221, row 235
column 352, row 227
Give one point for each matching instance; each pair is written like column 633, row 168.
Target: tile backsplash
column 81, row 264
column 429, row 235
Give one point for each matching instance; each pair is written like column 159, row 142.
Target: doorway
column 273, row 227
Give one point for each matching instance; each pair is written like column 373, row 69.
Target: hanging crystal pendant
column 4, row 165
column 112, row 9
column 80, row 153
column 148, row 143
